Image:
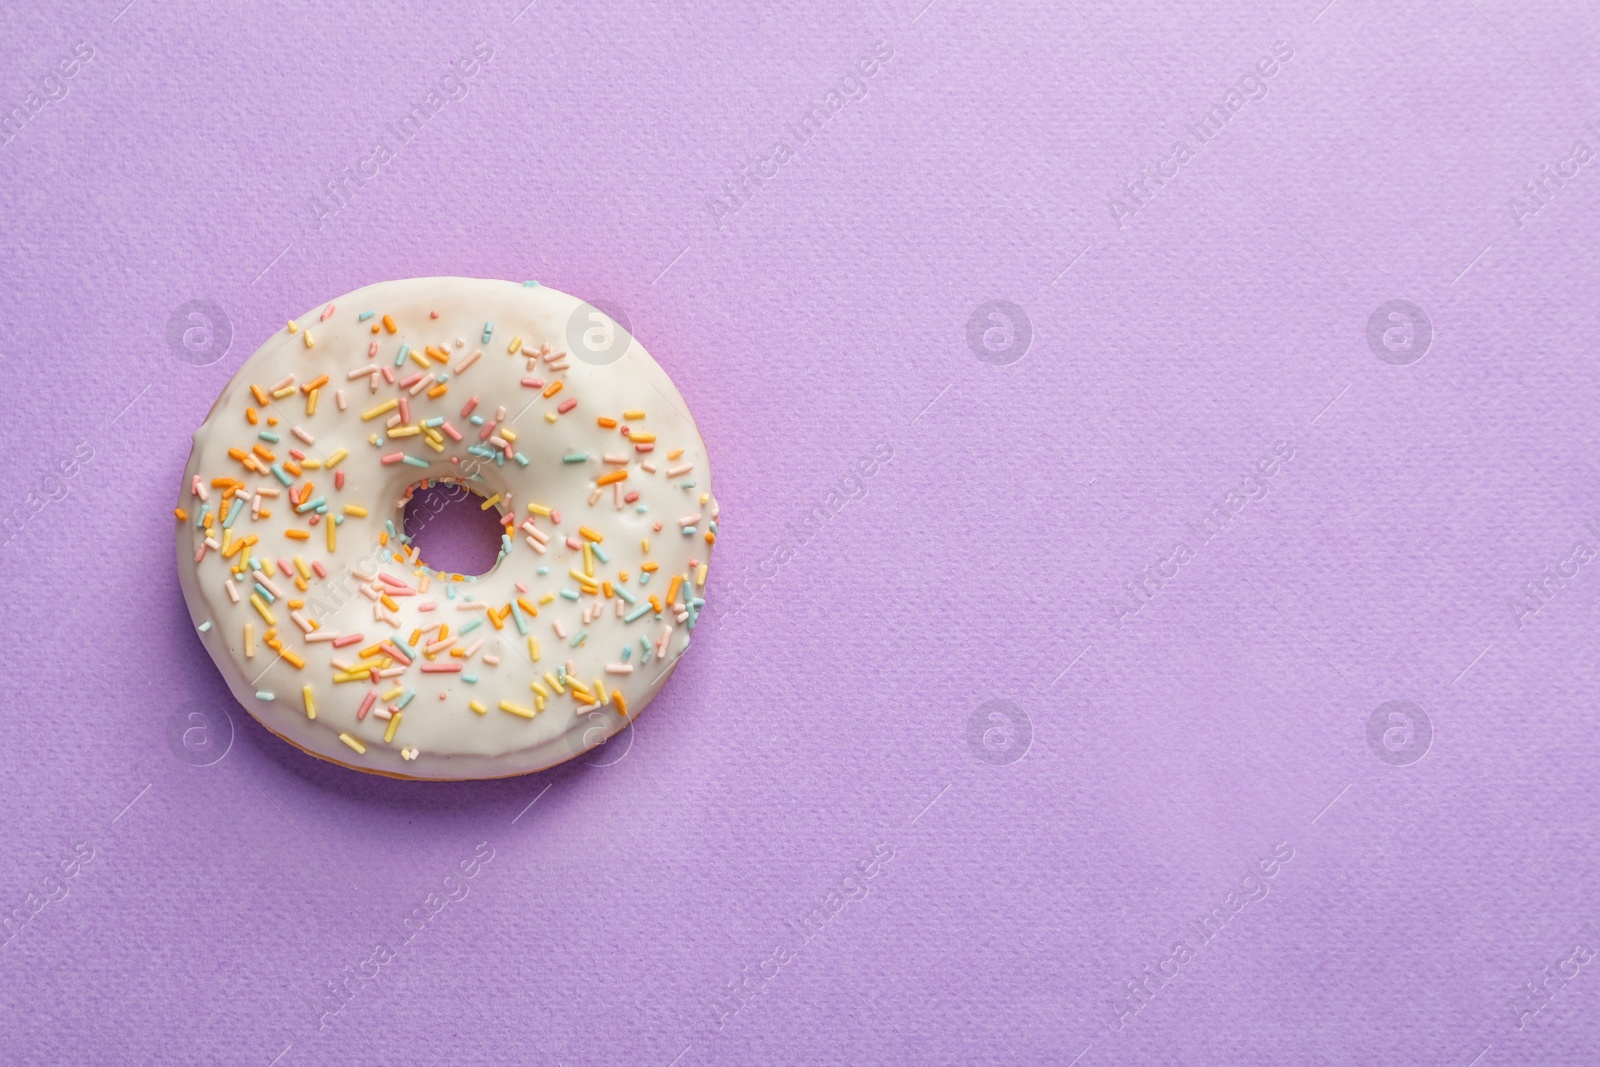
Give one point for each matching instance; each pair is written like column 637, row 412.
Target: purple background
column 1170, row 749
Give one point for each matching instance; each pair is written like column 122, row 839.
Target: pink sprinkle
column 682, row 468
column 338, row 479
column 441, row 668
column 299, row 456
column 388, row 374
column 318, row 569
column 615, row 457
column 326, row 312
column 372, row 351
column 407, row 383
column 347, row 640
column 568, row 406
column 285, row 566
column 521, row 587
column 488, row 428
column 574, row 544
column 657, row 527
column 428, row 605
column 451, row 432
column 392, row 458
column 468, row 360
column 395, row 653
column 533, row 383
column 687, row 520
column 314, row 519
column 405, row 410
column 631, row 497
column 555, row 517
column 433, row 314
column 468, row 409
column 366, row 705
column 647, row 447
column 338, row 398
column 625, row 430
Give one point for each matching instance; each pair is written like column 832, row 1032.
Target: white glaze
column 451, row 741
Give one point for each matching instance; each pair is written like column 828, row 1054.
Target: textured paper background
column 839, row 702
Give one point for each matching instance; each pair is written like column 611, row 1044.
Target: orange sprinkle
column 317, row 384
column 589, row 535
column 290, row 655
column 553, row 388
column 439, row 390
column 675, row 453
column 265, row 453
column 183, row 516
column 388, row 324
column 611, row 476
column 298, row 535
column 654, row 603
column 672, row 587
column 711, row 537
column 651, row 567
column 607, row 424
column 383, row 537
column 259, row 393
column 272, row 420
column 292, row 467
column 620, row 702
column 251, row 417
column 525, row 606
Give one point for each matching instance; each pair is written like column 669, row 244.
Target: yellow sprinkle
column 394, row 724
column 309, row 700
column 300, row 565
column 419, row 358
column 353, row 743
column 405, row 431
column 537, row 688
column 310, row 341
column 311, row 398
column 294, row 327
column 539, row 509
column 553, row 683
column 644, row 544
column 516, row 343
column 633, row 416
column 547, row 598
column 261, row 606
column 287, row 390
column 309, row 463
column 517, row 709
column 477, row 707
column 391, row 694
column 491, row 502
column 332, row 543
column 538, row 702
column 533, row 649
column 355, row 509
column 588, row 561
column 381, row 409
column 249, row 640
column 549, row 416
column 700, row 576
column 333, row 460
column 507, row 432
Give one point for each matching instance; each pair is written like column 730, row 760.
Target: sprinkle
column 517, row 709
column 611, row 476
column 203, row 627
column 266, row 694
column 309, row 701
column 374, row 412
column 388, row 324
column 575, row 457
column 394, row 724
column 346, row 738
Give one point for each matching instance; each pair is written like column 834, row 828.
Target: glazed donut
column 321, row 614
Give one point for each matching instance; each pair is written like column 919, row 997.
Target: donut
column 318, row 608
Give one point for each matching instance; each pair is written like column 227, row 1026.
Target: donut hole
column 452, row 530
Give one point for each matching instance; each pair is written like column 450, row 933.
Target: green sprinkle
column 575, row 457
